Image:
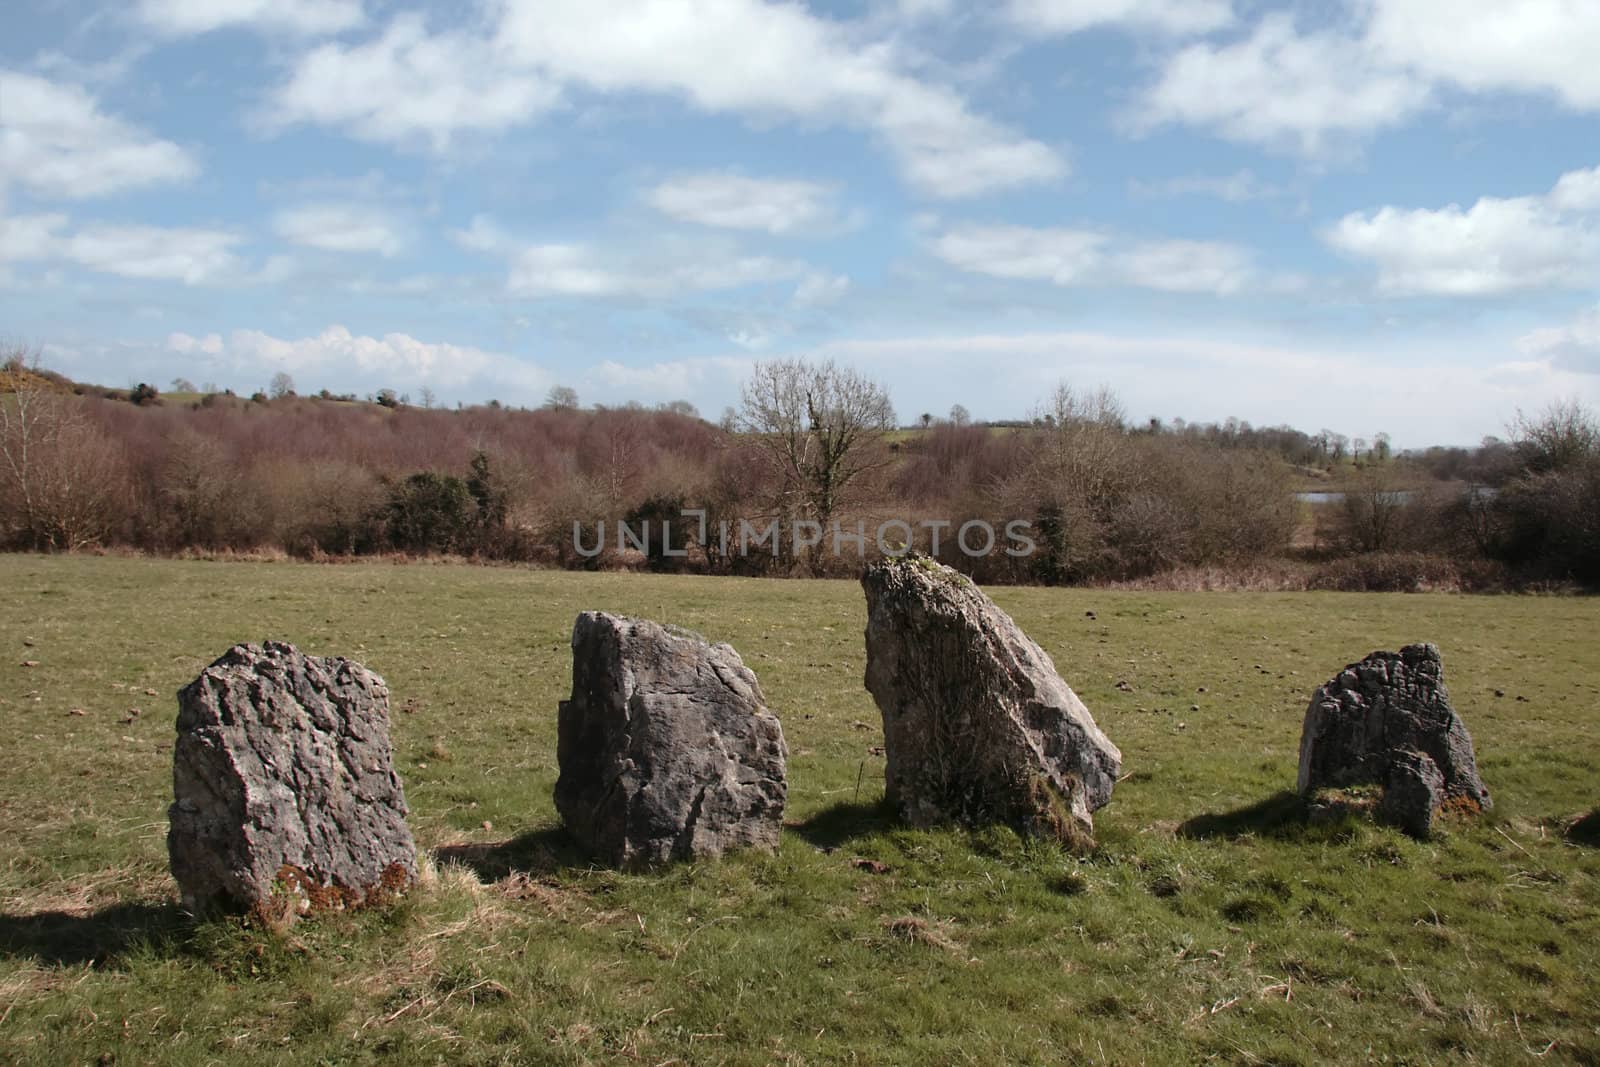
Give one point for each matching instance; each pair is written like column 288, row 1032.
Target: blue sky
column 1374, row 215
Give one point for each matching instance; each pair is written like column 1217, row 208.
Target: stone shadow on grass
column 1585, row 830
column 1282, row 815
column 62, row 938
column 535, row 853
column 833, row 827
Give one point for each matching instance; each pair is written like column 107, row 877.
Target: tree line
column 1104, row 498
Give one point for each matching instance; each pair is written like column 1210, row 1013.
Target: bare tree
column 61, row 479
column 427, row 398
column 282, row 385
column 818, row 425
column 1375, row 510
column 1086, row 454
column 1381, row 447
column 620, row 461
column 561, row 398
column 1067, row 407
column 1561, row 435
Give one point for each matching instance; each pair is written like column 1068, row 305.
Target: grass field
column 1210, row 924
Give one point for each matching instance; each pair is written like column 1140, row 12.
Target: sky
column 1362, row 215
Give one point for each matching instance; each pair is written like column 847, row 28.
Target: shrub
column 431, row 512
column 204, row 500
column 667, row 528
column 1547, row 519
column 327, row 507
column 1388, row 572
column 1551, row 522
column 62, row 479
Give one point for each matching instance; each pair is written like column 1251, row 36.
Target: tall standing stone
column 666, row 746
column 978, row 727
column 1387, row 722
column 285, row 794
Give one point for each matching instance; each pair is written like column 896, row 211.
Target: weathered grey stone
column 978, row 727
column 666, row 747
column 1413, row 793
column 1387, row 721
column 285, row 795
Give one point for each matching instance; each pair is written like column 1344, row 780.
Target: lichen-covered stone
column 285, row 794
column 1413, row 793
column 1387, row 721
column 978, row 727
column 666, row 747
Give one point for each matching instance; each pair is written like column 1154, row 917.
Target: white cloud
column 818, row 289
column 482, row 235
column 1184, row 266
column 585, row 271
column 1439, row 392
column 1070, row 257
column 1498, row 245
column 341, row 228
column 1574, row 347
column 183, row 18
column 25, row 237
column 658, row 268
column 672, row 379
column 1061, row 256
column 765, row 61
column 568, row 270
column 1577, row 190
column 1177, row 17
column 917, row 10
column 733, row 201
column 63, row 67
column 191, row 255
column 1279, row 87
column 1534, row 46
column 56, row 142
column 186, row 345
column 396, row 358
column 409, row 85
column 1235, row 188
column 1373, row 65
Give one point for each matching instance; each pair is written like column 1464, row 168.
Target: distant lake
column 1323, row 496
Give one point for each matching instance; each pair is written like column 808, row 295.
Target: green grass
column 1209, row 924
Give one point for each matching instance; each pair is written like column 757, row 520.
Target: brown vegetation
column 1196, row 505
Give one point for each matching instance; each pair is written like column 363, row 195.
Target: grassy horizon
column 1210, row 923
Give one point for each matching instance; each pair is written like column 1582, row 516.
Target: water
column 1325, row 496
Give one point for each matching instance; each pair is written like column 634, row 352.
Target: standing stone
column 977, row 725
column 666, row 747
column 1413, row 791
column 285, row 795
column 1387, row 722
